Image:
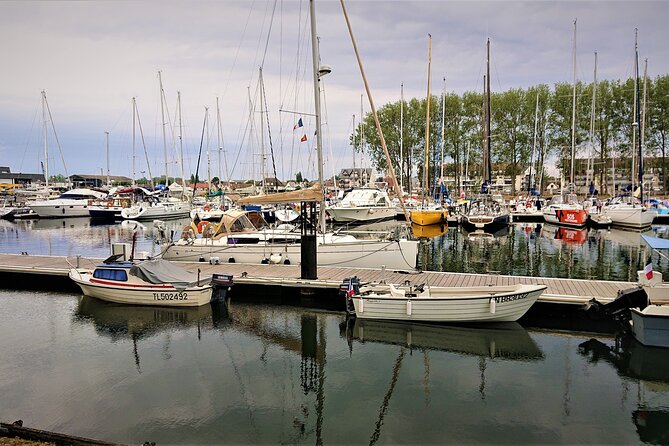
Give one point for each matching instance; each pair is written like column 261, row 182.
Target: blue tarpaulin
column 655, row 242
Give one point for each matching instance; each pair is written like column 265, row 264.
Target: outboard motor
column 619, row 309
column 348, row 288
column 222, row 284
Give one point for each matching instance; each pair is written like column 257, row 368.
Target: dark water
column 250, row 373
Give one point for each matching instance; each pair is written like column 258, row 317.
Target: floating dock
column 51, row 272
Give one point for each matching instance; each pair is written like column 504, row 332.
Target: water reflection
column 503, row 341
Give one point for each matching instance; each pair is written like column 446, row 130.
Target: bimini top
column 655, row 242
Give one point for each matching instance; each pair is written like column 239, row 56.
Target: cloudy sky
column 93, row 57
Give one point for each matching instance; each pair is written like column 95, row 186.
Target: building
column 354, row 177
column 23, row 179
column 98, row 180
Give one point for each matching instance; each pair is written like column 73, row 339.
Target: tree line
column 513, row 133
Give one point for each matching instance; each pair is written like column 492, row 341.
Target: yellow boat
column 426, row 217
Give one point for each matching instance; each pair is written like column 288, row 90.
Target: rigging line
column 386, row 399
column 269, row 134
column 53, row 127
column 146, row 155
column 269, row 33
column 239, row 45
column 197, row 170
column 25, row 151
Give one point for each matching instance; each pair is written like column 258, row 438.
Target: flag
column 350, row 291
column 648, row 270
column 304, row 138
column 315, row 132
column 299, row 124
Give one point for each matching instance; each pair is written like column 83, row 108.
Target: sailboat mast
column 402, row 133
column 262, row 134
column 317, row 107
column 134, row 122
column 573, row 117
column 218, row 140
column 637, row 114
column 354, row 171
column 591, row 160
column 534, row 144
column 181, row 147
column 107, row 145
column 443, row 120
column 46, row 145
column 206, row 114
column 427, row 119
column 488, row 167
column 363, row 176
column 162, row 112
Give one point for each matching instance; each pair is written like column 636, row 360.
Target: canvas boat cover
column 314, row 193
column 655, row 242
column 159, row 271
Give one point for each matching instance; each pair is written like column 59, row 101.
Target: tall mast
column 107, row 144
column 354, row 171
column 401, row 132
column 262, row 135
column 206, row 117
column 46, row 145
column 591, row 160
column 134, row 121
column 162, row 112
column 573, row 117
column 488, row 167
column 218, row 141
column 181, row 147
column 443, row 120
column 534, row 144
column 363, row 172
column 317, row 107
column 427, row 119
column 637, row 114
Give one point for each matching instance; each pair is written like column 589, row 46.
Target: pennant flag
column 299, row 124
column 315, row 132
column 304, row 138
column 648, row 270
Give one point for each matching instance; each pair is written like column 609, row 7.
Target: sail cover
column 161, row 271
column 655, row 242
column 314, row 193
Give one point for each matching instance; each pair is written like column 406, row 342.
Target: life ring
column 201, row 225
column 206, row 208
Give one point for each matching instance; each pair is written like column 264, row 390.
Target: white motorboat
column 363, row 205
column 73, row 203
column 628, row 212
column 566, row 211
column 440, row 304
column 148, row 282
column 236, row 239
column 486, row 215
column 650, row 326
column 160, row 210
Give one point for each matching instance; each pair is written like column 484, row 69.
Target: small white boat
column 363, row 205
column 650, row 326
column 73, row 203
column 148, row 282
column 441, row 304
column 156, row 210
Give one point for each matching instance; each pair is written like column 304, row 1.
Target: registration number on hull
column 170, row 296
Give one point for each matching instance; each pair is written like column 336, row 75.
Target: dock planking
column 574, row 291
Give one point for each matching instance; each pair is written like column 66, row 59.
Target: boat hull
column 159, row 295
column 485, row 304
column 361, row 254
column 486, row 223
column 360, row 214
column 635, row 217
column 574, row 218
column 651, row 326
column 162, row 211
column 62, row 210
column 426, row 217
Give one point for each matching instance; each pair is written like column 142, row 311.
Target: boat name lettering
column 500, row 300
column 170, row 296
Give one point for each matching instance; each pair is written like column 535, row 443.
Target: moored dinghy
column 148, row 282
column 440, row 304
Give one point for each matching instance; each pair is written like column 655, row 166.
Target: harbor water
column 241, row 372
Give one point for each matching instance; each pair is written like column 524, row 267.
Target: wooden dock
column 564, row 291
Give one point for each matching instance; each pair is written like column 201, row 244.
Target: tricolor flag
column 299, row 124
column 648, row 270
column 350, row 292
column 304, row 138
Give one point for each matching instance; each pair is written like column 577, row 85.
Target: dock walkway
column 567, row 291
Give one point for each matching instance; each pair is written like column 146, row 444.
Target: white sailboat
column 629, row 211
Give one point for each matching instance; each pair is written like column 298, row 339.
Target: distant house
column 355, row 177
column 23, row 179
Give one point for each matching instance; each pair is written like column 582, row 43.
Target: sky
column 91, row 59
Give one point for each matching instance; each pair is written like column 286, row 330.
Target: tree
column 658, row 120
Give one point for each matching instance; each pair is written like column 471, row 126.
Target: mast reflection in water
column 243, row 373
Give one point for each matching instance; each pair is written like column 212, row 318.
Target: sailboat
column 484, row 213
column 629, row 211
column 565, row 210
column 429, row 213
column 237, row 240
